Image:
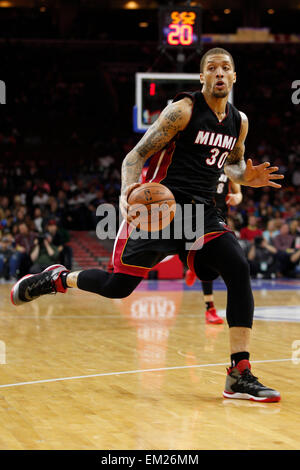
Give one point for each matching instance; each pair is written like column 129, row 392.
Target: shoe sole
column 247, row 396
column 14, row 293
column 215, row 322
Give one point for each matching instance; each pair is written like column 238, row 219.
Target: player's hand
column 233, row 199
column 124, row 206
column 261, row 175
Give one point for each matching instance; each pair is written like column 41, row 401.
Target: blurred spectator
column 43, row 254
column 9, row 258
column 271, row 232
column 232, row 225
column 262, row 212
column 38, row 219
column 262, row 259
column 251, row 231
column 284, row 241
column 40, row 198
column 288, row 262
column 287, row 254
column 24, row 241
column 294, row 228
column 60, row 238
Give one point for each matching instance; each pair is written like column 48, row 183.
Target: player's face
column 218, row 75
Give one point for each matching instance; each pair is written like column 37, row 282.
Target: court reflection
column 152, row 314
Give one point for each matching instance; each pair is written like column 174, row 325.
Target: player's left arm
column 235, row 195
column 244, row 173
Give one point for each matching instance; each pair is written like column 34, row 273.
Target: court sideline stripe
column 105, row 374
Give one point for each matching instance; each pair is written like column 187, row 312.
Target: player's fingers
column 131, row 187
column 263, row 166
column 271, row 169
column 274, row 185
column 126, row 214
column 277, row 177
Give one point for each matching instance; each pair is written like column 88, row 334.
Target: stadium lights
column 5, row 4
column 131, row 5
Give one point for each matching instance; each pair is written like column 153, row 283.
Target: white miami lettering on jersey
column 216, row 140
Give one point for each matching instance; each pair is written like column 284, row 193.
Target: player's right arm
column 173, row 119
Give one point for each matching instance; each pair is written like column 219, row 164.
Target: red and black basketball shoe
column 212, row 317
column 32, row 286
column 242, row 384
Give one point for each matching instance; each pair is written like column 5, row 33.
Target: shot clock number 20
column 180, row 27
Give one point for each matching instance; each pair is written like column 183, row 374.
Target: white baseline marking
column 106, row 374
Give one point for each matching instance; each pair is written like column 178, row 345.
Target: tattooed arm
column 244, row 173
column 173, row 119
column 235, row 164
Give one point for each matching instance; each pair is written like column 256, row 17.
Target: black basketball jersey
column 223, row 188
column 191, row 164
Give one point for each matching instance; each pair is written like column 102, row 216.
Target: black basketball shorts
column 138, row 255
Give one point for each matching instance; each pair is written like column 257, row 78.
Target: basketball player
column 190, row 142
column 227, row 194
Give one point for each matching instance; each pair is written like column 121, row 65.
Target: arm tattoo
column 236, row 155
column 155, row 139
column 160, row 133
column 235, row 165
column 131, row 169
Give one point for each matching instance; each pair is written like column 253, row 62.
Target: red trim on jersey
column 120, row 244
column 163, row 158
column 152, row 166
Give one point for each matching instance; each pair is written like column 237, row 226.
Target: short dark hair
column 215, row 50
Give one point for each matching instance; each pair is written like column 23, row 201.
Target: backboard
column 154, row 91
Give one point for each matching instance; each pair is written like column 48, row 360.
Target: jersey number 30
column 215, row 155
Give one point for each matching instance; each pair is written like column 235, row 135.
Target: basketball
column 152, row 207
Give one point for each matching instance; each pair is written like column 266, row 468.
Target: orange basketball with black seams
column 152, row 207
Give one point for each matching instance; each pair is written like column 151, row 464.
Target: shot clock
column 180, row 27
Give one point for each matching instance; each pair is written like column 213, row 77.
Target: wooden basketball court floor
column 82, row 372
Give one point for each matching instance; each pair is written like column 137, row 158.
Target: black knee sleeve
column 207, row 287
column 224, row 256
column 110, row 285
column 240, row 303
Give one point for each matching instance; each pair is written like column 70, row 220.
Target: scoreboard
column 180, row 27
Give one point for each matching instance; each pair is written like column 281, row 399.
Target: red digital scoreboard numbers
column 180, row 27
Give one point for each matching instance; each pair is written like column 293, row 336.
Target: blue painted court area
column 257, row 284
column 290, row 313
column 279, row 313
